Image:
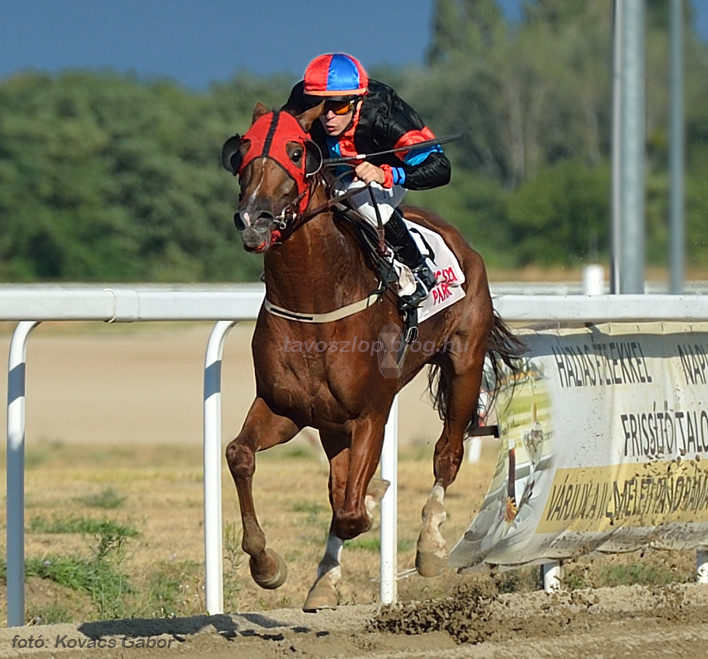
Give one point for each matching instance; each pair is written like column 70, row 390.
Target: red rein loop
column 268, row 137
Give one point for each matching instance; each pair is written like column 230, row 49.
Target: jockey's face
column 336, row 124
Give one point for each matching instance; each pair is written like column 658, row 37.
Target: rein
column 335, row 314
column 330, row 203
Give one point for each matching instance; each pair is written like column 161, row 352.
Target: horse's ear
column 231, row 155
column 313, row 158
column 258, row 112
column 308, row 117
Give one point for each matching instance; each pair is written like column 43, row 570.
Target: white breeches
column 385, row 198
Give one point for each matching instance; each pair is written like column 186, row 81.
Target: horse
column 321, row 290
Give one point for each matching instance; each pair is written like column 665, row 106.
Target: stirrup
column 415, row 299
column 425, row 275
column 425, row 282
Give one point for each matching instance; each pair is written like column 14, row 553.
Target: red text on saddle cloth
column 268, row 137
column 446, row 278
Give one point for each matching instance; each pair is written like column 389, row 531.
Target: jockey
column 361, row 115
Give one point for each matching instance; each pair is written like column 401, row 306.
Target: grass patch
column 51, row 614
column 233, row 556
column 309, row 507
column 373, row 543
column 108, row 499
column 85, row 525
column 168, row 588
column 100, row 575
column 638, row 573
column 622, row 574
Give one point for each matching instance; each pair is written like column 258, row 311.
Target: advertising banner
column 603, row 447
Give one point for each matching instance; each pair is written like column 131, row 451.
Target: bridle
column 267, row 138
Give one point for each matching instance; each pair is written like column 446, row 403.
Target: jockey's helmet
column 335, row 76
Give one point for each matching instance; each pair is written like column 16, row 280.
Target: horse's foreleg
column 323, row 594
column 354, row 516
column 431, row 554
column 261, row 430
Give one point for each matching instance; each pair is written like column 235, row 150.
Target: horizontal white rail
column 533, row 309
column 31, row 304
column 123, row 303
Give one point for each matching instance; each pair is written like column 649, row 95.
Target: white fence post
column 17, row 364
column 552, row 576
column 213, row 543
column 702, row 566
column 389, row 508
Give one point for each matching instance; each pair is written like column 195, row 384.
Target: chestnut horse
column 321, row 291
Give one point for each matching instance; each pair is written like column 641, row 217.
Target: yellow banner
column 635, row 495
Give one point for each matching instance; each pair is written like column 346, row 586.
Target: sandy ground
column 112, row 384
column 610, row 623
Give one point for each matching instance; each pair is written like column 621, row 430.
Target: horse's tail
column 502, row 368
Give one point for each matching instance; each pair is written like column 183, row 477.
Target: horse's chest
column 320, row 386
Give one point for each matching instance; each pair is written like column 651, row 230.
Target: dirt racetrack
column 609, row 623
column 107, row 385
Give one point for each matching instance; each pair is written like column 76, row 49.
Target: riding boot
column 407, row 252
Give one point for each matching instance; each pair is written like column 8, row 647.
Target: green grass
column 372, row 543
column 50, row 614
column 100, row 575
column 107, row 499
column 100, row 578
column 84, row 525
column 309, row 507
column 167, row 587
column 233, row 555
column 630, row 574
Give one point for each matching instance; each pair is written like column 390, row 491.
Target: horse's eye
column 296, row 156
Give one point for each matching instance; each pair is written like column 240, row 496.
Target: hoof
column 323, row 595
column 276, row 575
column 429, row 564
column 377, row 488
column 374, row 493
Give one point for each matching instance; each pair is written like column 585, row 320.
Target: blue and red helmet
column 335, row 76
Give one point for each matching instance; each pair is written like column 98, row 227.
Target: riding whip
column 409, row 147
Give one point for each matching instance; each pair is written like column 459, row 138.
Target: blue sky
column 196, row 42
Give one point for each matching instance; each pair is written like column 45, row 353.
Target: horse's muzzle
column 257, row 236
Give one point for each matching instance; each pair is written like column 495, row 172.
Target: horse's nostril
column 264, row 217
column 256, row 220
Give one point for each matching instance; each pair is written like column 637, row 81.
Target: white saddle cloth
column 447, row 271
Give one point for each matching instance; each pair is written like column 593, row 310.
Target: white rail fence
column 31, row 305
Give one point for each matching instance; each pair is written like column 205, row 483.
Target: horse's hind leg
column 261, row 430
column 465, row 369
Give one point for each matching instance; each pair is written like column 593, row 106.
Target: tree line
column 106, row 177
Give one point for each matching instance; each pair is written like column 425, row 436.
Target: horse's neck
column 319, row 267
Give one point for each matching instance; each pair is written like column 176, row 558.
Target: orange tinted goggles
column 339, row 108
